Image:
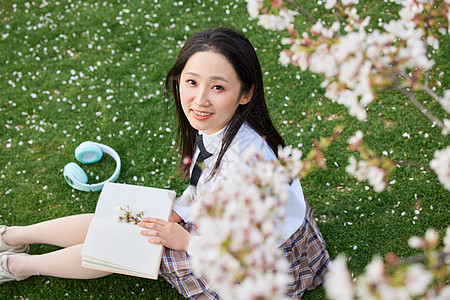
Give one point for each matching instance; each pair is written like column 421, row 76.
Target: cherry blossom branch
column 423, row 276
column 396, row 57
column 315, row 158
column 426, row 24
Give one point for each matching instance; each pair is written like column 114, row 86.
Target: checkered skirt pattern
column 305, row 251
column 176, row 269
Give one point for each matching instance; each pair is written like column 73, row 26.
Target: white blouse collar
column 212, row 141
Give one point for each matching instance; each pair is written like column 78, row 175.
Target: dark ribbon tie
column 199, row 165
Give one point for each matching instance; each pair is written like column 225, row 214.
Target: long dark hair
column 238, row 50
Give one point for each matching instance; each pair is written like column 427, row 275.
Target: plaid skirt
column 305, row 251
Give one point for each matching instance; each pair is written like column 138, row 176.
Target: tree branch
column 297, row 8
column 411, row 164
column 427, row 27
column 420, row 107
column 430, row 93
column 422, row 257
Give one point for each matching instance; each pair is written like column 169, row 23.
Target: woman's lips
column 201, row 115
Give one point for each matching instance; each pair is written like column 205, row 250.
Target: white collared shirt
column 245, row 138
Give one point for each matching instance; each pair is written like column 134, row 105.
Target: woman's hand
column 169, row 234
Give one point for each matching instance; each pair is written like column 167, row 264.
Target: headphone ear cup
column 88, row 153
column 74, row 173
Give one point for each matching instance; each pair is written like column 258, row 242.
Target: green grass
column 73, row 71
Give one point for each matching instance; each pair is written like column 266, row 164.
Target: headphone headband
column 90, row 152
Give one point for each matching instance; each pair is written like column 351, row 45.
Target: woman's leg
column 62, row 232
column 68, row 232
column 64, row 263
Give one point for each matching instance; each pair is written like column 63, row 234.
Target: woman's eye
column 190, row 82
column 218, row 88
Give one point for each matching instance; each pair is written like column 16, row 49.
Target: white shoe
column 5, row 275
column 5, row 247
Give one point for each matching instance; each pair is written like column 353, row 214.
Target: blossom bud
column 415, row 242
column 432, row 238
column 447, row 240
column 446, row 129
column 187, row 160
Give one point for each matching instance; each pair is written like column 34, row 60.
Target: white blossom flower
column 417, row 279
column 300, row 58
column 277, row 22
column 253, row 7
column 362, row 171
column 389, row 292
column 338, row 284
column 432, row 40
column 447, row 240
column 375, row 176
column 271, row 22
column 316, row 29
column 352, row 166
column 441, row 165
column 287, row 41
column 321, row 61
column 448, row 17
column 432, row 237
column 446, row 129
column 291, row 159
column 444, row 293
column 348, row 98
column 415, row 242
column 375, row 270
column 284, row 59
column 445, row 100
column 372, row 283
column 356, row 139
column 349, row 70
column 330, row 4
column 348, row 2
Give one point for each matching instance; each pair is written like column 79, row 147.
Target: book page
column 154, row 202
column 119, row 247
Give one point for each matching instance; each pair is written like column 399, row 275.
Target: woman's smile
column 201, row 115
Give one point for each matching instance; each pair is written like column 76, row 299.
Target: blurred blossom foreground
column 424, row 276
column 238, row 253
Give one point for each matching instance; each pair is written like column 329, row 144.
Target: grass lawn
column 82, row 70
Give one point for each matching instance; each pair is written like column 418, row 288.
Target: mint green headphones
column 89, row 153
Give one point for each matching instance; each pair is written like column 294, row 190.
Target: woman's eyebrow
column 212, row 77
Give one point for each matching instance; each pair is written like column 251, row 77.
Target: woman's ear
column 245, row 98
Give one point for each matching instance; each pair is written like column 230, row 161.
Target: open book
column 113, row 242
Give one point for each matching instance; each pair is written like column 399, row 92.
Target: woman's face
column 210, row 91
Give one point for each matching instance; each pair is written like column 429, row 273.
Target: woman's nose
column 201, row 98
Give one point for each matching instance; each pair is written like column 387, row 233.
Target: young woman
column 217, row 85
